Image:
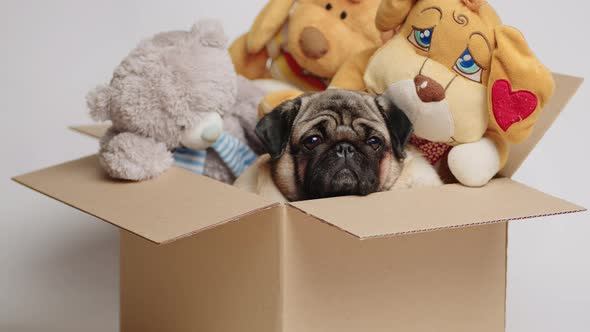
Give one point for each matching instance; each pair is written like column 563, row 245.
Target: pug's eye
column 312, row 142
column 468, row 68
column 375, row 142
column 421, row 38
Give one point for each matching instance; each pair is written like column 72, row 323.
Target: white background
column 59, row 267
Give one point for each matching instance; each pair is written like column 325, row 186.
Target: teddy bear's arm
column 242, row 118
column 251, row 66
column 132, row 157
column 350, row 75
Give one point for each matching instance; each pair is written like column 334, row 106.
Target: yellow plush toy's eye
column 421, row 38
column 468, row 68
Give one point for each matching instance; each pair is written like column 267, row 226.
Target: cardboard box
column 199, row 255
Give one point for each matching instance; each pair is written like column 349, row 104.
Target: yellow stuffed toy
column 304, row 42
column 470, row 85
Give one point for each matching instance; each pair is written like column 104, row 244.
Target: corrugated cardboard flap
column 175, row 205
column 409, row 211
column 179, row 203
column 95, row 131
column 565, row 88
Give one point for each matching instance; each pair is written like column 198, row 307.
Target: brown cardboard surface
column 180, row 203
column 419, row 210
column 174, row 205
column 223, row 280
column 449, row 281
column 565, row 88
column 96, row 131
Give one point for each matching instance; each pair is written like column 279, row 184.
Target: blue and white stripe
column 234, row 153
column 190, row 160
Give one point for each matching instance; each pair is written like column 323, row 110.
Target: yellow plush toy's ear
column 392, row 13
column 519, row 86
column 267, row 24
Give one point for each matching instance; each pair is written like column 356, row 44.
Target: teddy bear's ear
column 267, row 24
column 210, row 33
column 98, row 101
column 519, row 86
column 392, row 13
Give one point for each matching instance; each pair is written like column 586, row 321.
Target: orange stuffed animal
column 470, row 85
column 306, row 41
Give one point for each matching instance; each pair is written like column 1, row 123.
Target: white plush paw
column 474, row 164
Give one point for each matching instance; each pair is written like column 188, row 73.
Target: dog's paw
column 474, row 164
column 417, row 173
column 130, row 157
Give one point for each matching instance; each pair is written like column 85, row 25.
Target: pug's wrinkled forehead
column 344, row 114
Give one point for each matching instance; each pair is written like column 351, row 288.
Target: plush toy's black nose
column 345, row 150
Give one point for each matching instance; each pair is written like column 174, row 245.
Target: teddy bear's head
column 320, row 34
column 174, row 88
column 457, row 71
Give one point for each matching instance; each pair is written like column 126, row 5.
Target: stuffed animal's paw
column 474, row 164
column 130, row 157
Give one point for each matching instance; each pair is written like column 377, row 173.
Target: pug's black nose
column 345, row 150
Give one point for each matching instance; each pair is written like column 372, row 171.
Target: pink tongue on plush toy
column 510, row 106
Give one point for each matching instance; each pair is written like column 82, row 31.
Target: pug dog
column 335, row 143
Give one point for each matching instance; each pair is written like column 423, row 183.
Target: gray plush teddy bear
column 177, row 99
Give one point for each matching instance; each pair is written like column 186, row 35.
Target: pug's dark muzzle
column 334, row 143
column 341, row 170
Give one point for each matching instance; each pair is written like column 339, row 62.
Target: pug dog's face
column 335, row 143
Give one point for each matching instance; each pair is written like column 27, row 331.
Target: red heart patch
column 510, row 106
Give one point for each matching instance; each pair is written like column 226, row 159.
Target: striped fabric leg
column 190, row 160
column 233, row 152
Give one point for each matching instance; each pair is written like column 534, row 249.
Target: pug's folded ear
column 399, row 126
column 274, row 129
